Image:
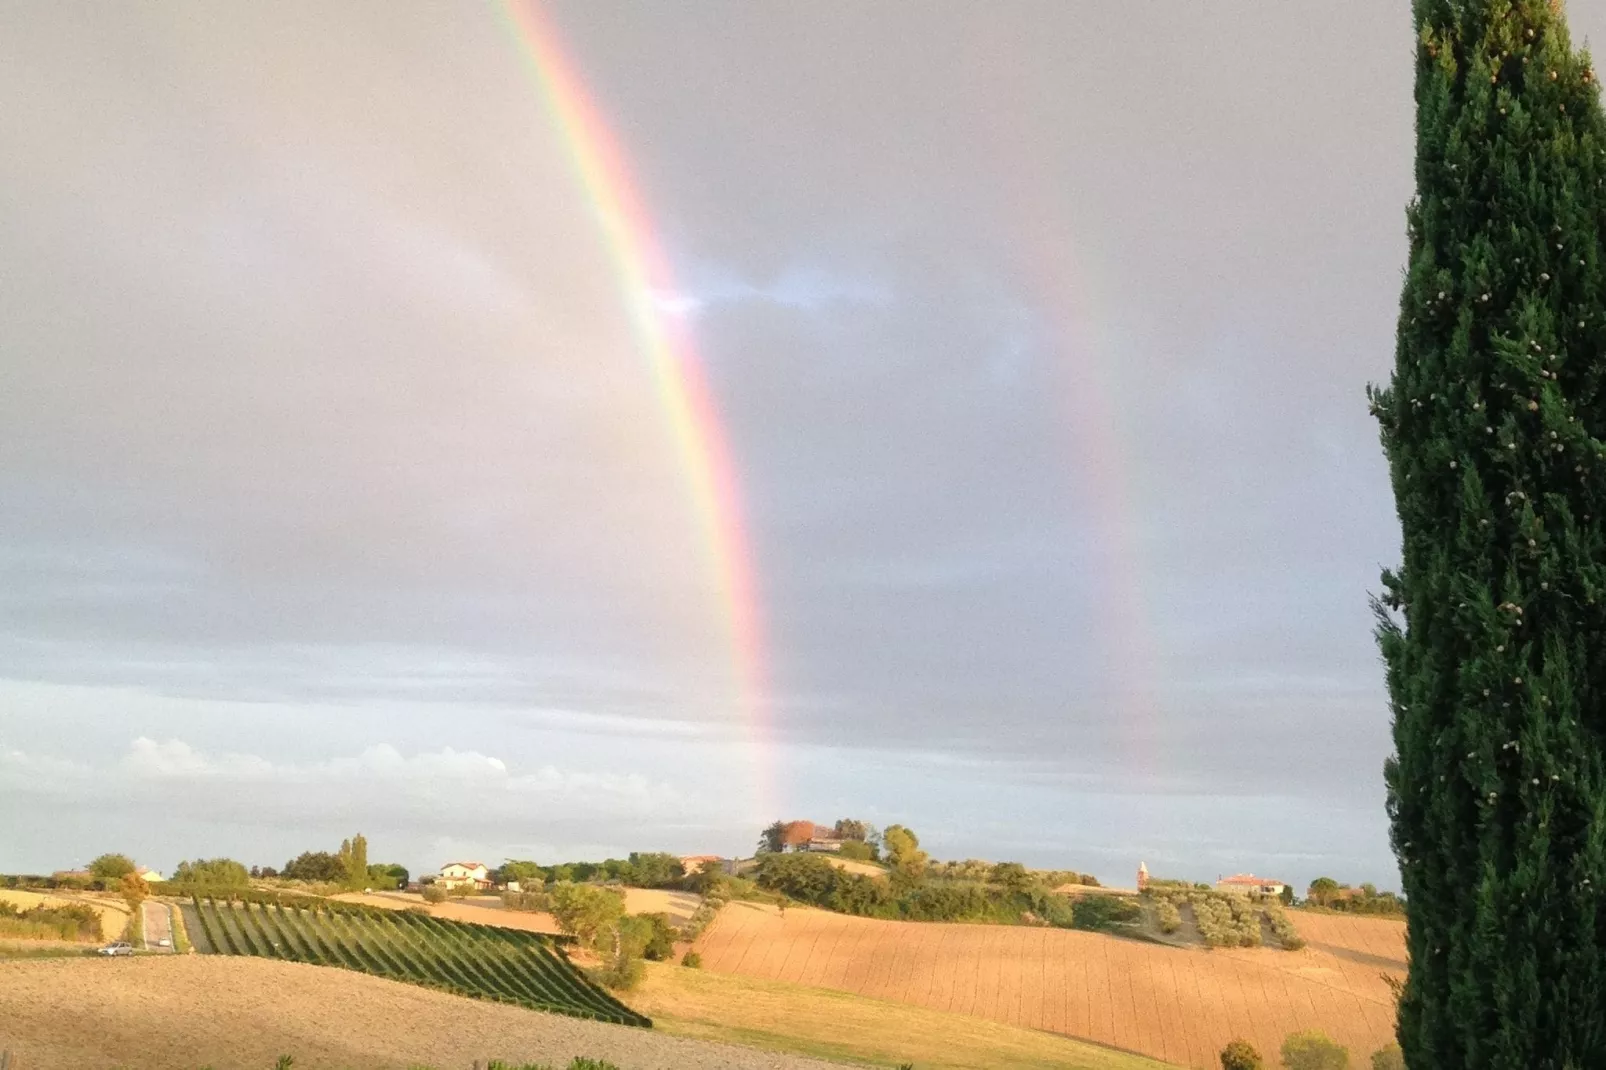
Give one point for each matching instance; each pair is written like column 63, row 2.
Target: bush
column 1287, row 935
column 531, row 902
column 107, row 870
column 205, row 874
column 1169, row 916
column 1314, row 1050
column 1389, row 1058
column 858, row 851
column 1103, row 913
column 1241, row 1055
column 649, row 936
column 692, row 961
column 434, row 893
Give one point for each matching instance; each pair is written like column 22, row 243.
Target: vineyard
column 478, row 961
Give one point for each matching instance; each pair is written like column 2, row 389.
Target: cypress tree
column 1493, row 630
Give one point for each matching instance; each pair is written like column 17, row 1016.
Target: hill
column 186, row 1011
column 840, row 1025
column 1177, row 1005
column 504, row 965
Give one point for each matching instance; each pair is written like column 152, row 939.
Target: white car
column 119, row 948
column 164, row 942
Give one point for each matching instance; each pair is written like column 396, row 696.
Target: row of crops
column 479, row 961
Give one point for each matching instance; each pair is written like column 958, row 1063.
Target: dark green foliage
column 388, row 876
column 859, row 851
column 317, row 866
column 1104, row 913
column 811, row 878
column 479, row 961
column 1389, row 1058
column 1314, row 1050
column 772, row 839
column 648, row 936
column 1241, row 1055
column 692, row 961
column 1494, row 628
column 218, row 873
column 107, row 870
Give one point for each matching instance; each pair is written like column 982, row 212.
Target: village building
column 1248, row 884
column 459, row 874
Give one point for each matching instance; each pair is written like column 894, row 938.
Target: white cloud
column 426, row 775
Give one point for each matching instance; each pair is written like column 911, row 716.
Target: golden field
column 114, row 913
column 1173, row 1004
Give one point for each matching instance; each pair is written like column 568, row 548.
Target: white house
column 150, row 876
column 456, row 874
column 1248, row 884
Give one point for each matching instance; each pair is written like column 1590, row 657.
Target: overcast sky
column 336, row 493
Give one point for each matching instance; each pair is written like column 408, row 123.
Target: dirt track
column 166, row 1012
column 1180, row 1006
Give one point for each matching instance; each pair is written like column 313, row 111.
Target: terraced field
column 1174, row 1004
column 479, row 961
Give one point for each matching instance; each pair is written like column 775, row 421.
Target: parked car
column 119, row 948
column 164, row 942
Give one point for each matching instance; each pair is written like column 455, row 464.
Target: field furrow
column 1176, row 1004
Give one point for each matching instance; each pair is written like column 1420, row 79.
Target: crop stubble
column 1173, row 1004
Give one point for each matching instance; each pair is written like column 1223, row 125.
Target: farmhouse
column 457, row 874
column 1248, row 884
column 807, row 836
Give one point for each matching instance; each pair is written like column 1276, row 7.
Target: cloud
column 431, row 775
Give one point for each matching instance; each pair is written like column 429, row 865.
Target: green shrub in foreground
column 1241, row 1055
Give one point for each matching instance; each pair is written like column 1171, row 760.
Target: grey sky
column 336, row 494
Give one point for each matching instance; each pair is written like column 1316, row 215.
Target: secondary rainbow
column 688, row 403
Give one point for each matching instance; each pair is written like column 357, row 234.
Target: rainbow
column 677, row 372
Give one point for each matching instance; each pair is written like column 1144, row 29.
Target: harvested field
column 482, row 910
column 1180, row 1006
column 680, row 906
column 242, row 1013
column 114, row 913
column 840, row 1025
column 853, row 865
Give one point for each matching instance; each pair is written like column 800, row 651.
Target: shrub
column 205, row 874
column 621, row 973
column 532, row 902
column 434, row 893
column 1389, row 1058
column 1314, row 1050
column 858, row 851
column 1169, row 916
column 1284, row 929
column 1097, row 913
column 107, row 870
column 692, row 961
column 649, row 936
column 1241, row 1055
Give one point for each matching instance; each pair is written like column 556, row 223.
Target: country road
column 158, row 925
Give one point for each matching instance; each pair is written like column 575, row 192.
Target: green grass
column 466, row 959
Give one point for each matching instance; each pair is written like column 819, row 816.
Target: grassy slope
column 837, row 1025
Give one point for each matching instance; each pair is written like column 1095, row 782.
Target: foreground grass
column 826, row 1024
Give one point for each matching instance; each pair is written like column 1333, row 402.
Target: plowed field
column 1177, row 1005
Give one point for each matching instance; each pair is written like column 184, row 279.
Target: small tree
column 903, row 851
column 590, row 914
column 1314, row 1050
column 1389, row 1058
column 434, row 893
column 772, row 839
column 850, row 829
column 1322, row 891
column 1012, row 876
column 1241, row 1055
column 134, row 890
column 108, row 869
